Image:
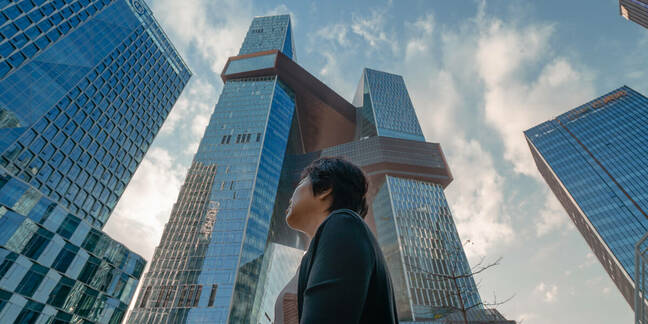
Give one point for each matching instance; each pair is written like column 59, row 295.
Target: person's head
column 326, row 184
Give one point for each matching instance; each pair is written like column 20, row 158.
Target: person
column 343, row 276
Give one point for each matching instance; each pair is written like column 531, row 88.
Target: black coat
column 343, row 276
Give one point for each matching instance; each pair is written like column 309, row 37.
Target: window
column 68, row 226
column 161, row 295
column 62, row 318
column 7, row 263
column 37, row 243
column 183, row 294
column 90, row 243
column 197, row 296
column 86, row 302
column 89, row 269
column 29, row 313
column 167, row 297
column 4, row 298
column 9, row 30
column 212, row 295
column 59, row 294
column 145, row 297
column 65, row 257
column 31, row 280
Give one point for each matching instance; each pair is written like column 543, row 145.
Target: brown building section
column 604, row 255
column 635, row 10
column 319, row 109
column 377, row 156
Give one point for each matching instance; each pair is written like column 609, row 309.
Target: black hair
column 348, row 182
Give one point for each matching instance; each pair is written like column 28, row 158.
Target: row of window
column 52, row 27
column 30, row 312
column 188, row 296
column 240, row 138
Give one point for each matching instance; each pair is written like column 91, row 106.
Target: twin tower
column 226, row 251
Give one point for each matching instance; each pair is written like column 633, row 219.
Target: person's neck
column 311, row 228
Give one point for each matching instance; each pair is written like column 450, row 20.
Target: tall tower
column 594, row 159
column 635, row 10
column 227, row 251
column 409, row 212
column 84, row 88
column 211, row 250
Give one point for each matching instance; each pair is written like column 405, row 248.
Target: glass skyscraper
column 226, row 248
column 84, row 87
column 635, row 10
column 594, row 158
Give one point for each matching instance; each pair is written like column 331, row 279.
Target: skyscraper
column 594, row 159
column 635, row 10
column 217, row 259
column 84, row 88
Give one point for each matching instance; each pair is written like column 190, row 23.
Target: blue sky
column 478, row 73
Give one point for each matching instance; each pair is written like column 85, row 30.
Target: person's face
column 304, row 204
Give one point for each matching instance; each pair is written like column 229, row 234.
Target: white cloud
column 192, row 148
column 590, row 259
column 198, row 124
column 197, row 99
column 145, row 205
column 177, row 112
column 552, row 216
column 333, row 74
column 527, row 317
column 422, row 30
column 525, row 84
column 476, row 196
column 549, row 292
column 282, row 9
column 214, row 28
column 371, row 29
column 335, row 32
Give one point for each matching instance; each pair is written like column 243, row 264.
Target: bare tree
column 456, row 272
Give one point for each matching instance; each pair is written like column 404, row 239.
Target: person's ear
column 324, row 195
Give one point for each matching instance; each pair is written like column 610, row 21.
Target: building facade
column 594, row 159
column 84, row 87
column 217, row 261
column 635, row 10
